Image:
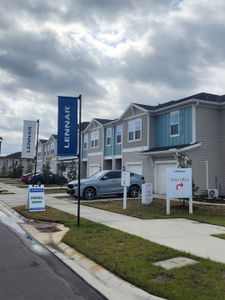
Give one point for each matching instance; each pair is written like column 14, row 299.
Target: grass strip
column 211, row 214
column 132, row 258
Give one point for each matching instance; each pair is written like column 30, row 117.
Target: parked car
column 25, row 177
column 105, row 183
column 40, row 178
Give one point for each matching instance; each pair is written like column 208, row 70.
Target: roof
column 171, row 149
column 42, row 141
column 15, row 155
column 103, row 121
column 55, row 136
column 200, row 96
column 84, row 125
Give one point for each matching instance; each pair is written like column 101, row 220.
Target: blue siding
column 117, row 147
column 108, row 150
column 163, row 138
column 84, row 153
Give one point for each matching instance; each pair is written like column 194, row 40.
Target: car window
column 113, row 175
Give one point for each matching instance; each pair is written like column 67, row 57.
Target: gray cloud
column 112, row 52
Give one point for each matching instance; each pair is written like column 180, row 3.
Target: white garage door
column 161, row 176
column 93, row 169
column 134, row 167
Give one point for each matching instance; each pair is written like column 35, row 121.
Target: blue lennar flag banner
column 67, row 126
column 29, row 137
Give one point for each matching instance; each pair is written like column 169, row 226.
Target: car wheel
column 134, row 191
column 89, row 193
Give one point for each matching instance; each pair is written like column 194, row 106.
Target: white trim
column 173, row 150
column 175, row 112
column 160, row 162
column 135, row 117
column 108, row 157
column 118, row 157
column 94, row 154
column 134, row 140
column 92, row 122
column 134, row 149
column 121, row 125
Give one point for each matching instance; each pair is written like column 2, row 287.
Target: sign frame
column 36, row 198
column 179, row 186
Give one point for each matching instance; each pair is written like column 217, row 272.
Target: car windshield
column 98, row 175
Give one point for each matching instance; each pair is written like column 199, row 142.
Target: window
column 174, row 123
column 52, row 148
column 85, row 144
column 134, row 130
column 119, row 134
column 108, row 136
column 94, row 139
column 113, row 175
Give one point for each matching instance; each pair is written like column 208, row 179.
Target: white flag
column 29, row 137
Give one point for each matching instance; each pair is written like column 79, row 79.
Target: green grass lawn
column 157, row 210
column 132, row 258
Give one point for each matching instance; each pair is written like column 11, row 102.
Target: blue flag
column 67, row 126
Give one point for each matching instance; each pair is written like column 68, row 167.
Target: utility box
column 147, row 195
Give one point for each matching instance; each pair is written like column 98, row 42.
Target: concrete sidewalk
column 181, row 234
column 108, row 284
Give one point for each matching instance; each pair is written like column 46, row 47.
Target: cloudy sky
column 113, row 52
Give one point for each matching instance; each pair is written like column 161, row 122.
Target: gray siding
column 144, row 133
column 147, row 166
column 209, row 132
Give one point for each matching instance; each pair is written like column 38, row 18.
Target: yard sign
column 36, row 198
column 179, row 186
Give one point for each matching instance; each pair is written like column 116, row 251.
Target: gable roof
column 103, row 121
column 15, row 155
column 42, row 141
column 200, row 96
column 84, row 125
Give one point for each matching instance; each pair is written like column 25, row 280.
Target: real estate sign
column 67, row 126
column 179, row 183
column 36, row 198
column 29, row 137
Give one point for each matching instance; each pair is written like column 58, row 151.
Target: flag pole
column 79, row 162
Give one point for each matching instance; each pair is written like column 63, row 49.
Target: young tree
column 72, row 172
column 185, row 162
column 61, row 168
column 46, row 172
column 30, row 166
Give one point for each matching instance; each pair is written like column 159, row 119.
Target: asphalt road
column 29, row 271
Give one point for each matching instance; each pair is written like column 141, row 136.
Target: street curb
column 102, row 280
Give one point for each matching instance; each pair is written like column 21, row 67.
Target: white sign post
column 125, row 182
column 36, row 198
column 179, row 185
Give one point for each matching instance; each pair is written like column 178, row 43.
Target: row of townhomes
column 145, row 140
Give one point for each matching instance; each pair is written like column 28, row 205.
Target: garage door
column 93, row 169
column 134, row 167
column 161, row 176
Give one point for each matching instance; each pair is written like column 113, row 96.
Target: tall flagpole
column 79, row 162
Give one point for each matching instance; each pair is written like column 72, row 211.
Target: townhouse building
column 146, row 139
column 40, row 154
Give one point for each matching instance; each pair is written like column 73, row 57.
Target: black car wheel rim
column 134, row 191
column 89, row 194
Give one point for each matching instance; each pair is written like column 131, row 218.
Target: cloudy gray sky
column 113, row 52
